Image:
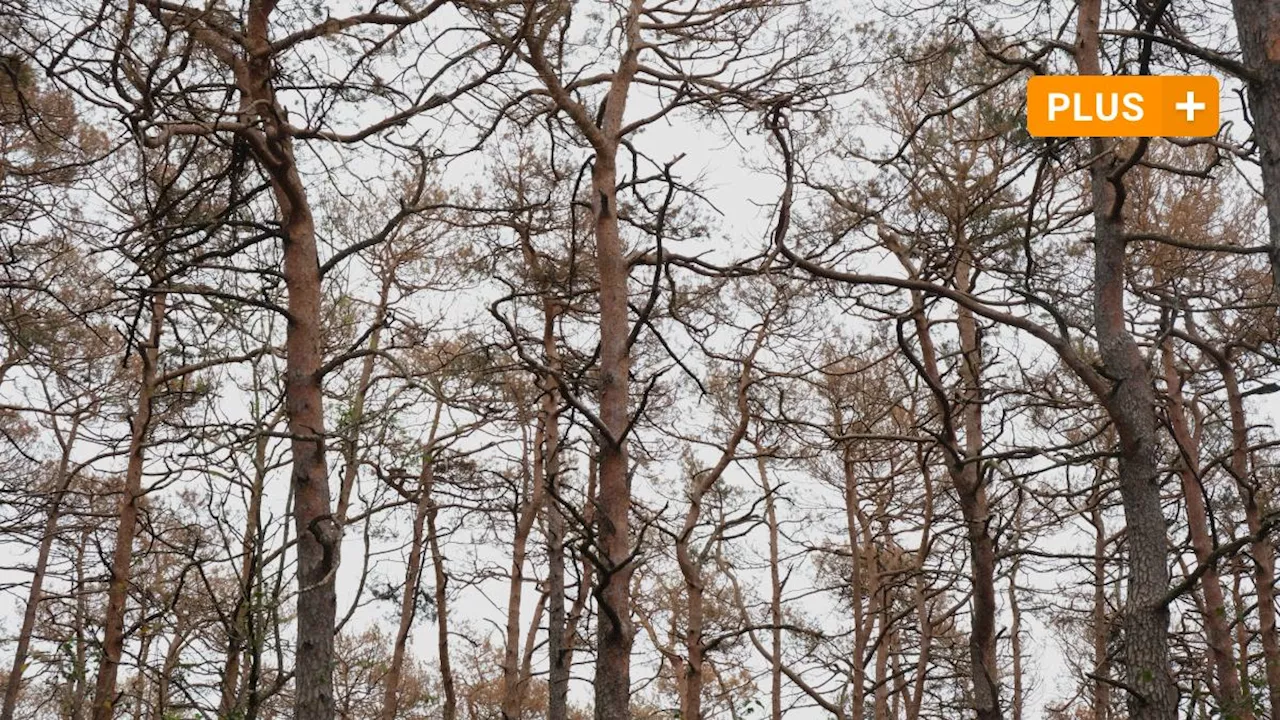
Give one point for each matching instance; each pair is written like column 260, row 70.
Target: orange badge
column 1122, row 106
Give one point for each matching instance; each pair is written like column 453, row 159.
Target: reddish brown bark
column 513, row 680
column 691, row 563
column 318, row 534
column 966, row 477
column 1261, row 549
column 862, row 581
column 1217, row 629
column 549, row 459
column 13, row 684
column 615, row 631
column 1101, row 696
column 104, row 691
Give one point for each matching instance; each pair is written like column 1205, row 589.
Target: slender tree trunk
column 775, row 589
column 1015, row 620
column 1262, row 549
column 449, row 710
column 974, row 507
column 146, row 638
column 1217, row 630
column 239, row 631
column 1101, row 697
column 691, row 563
column 899, row 696
column 80, row 679
column 923, row 619
column 557, row 645
column 691, row 670
column 882, row 663
column 587, row 568
column 513, row 686
column 547, row 469
column 318, row 533
column 172, row 656
column 859, row 584
column 1242, row 634
column 615, row 629
column 104, row 692
column 1131, row 407
column 530, row 645
column 35, row 592
column 412, row 576
column 966, row 478
column 351, row 448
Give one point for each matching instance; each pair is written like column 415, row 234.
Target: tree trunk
column 13, row 685
column 80, row 679
column 1217, row 630
column 923, row 618
column 1131, row 407
column 691, row 562
column 172, row 656
column 557, row 645
column 104, row 691
column 239, row 631
column 1258, row 28
column 1015, row 619
column 615, row 630
column 351, row 447
column 1101, row 697
column 318, row 533
column 449, row 710
column 775, row 590
column 513, row 686
column 966, row 477
column 882, row 709
column 862, row 626
column 1262, row 549
column 412, row 577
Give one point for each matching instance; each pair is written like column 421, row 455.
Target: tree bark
column 1262, row 549
column 966, row 477
column 318, row 534
column 35, row 593
column 1217, row 630
column 1131, row 407
column 1258, row 28
column 775, row 588
column 861, row 582
column 412, row 576
column 691, row 562
column 1101, row 697
column 615, row 631
column 557, row 643
column 351, row 446
column 104, row 691
column 513, row 685
column 449, row 709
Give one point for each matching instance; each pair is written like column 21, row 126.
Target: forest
column 633, row 359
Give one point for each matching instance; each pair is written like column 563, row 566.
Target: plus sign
column 1190, row 106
